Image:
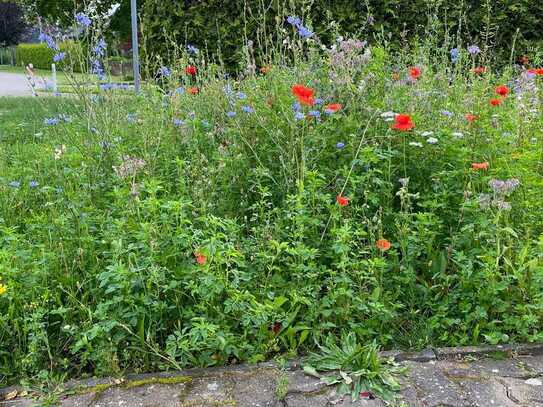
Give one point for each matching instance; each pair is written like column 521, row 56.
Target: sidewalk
column 458, row 377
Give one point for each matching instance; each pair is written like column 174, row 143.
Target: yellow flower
column 3, row 289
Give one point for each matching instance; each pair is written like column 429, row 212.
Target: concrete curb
column 427, row 355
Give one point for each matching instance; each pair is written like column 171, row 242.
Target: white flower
column 59, row 151
column 427, row 133
column 432, row 140
column 415, row 144
column 458, row 135
column 388, row 114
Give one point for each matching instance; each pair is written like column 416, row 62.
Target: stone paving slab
column 460, row 381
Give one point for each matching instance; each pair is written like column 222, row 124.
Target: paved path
column 14, row 84
column 434, row 379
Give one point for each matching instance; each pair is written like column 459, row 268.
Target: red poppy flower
column 201, row 259
column 403, row 122
column 495, row 102
column 333, row 107
column 470, row 117
column 191, row 70
column 479, row 70
column 480, row 166
column 193, row 90
column 502, row 90
column 342, row 201
column 414, row 72
column 304, row 95
column 536, row 71
column 383, row 244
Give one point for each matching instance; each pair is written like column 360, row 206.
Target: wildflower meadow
column 346, row 190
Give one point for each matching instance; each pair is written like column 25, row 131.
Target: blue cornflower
column 305, row 32
column 446, row 113
column 296, row 106
column 319, row 101
column 49, row 41
column 474, row 49
column 180, row 90
column 83, row 19
column 59, row 57
column 247, row 109
column 231, row 113
column 340, row 145
column 314, row 113
column 178, row 122
column 299, row 116
column 241, row 95
column 15, row 184
column 100, row 48
column 294, row 20
column 33, row 184
column 97, row 69
column 297, row 22
column 106, row 86
column 51, row 121
column 455, row 53
column 192, row 49
column 164, row 71
column 131, row 117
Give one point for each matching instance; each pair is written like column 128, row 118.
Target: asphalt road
column 14, row 84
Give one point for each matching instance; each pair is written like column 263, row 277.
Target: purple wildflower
column 83, row 20
column 59, row 57
column 474, row 49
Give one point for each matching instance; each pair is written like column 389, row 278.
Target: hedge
column 42, row 57
column 216, row 24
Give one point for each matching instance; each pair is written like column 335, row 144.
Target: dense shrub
column 12, row 24
column 227, row 25
column 42, row 57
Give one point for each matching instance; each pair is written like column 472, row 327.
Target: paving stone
column 409, row 395
column 424, row 356
column 18, row 403
column 163, row 395
column 484, row 368
column 450, row 382
column 306, row 400
column 433, row 387
column 208, row 391
column 299, row 382
column 346, row 401
column 523, row 393
column 535, row 363
column 256, row 388
column 82, row 400
column 485, row 392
